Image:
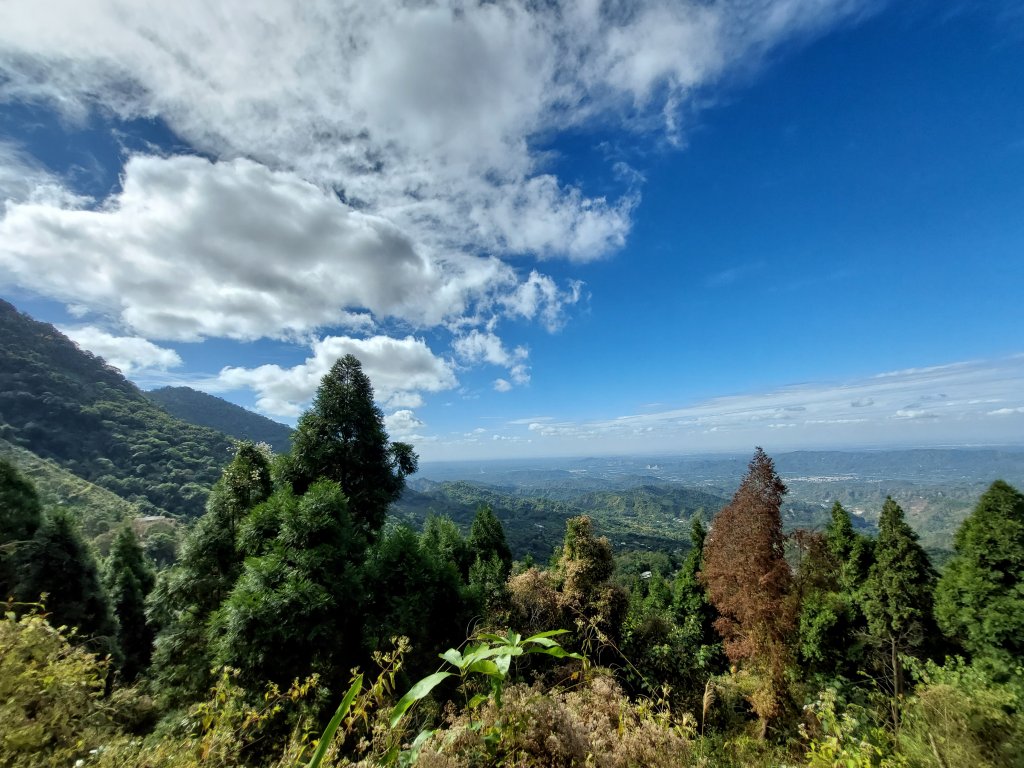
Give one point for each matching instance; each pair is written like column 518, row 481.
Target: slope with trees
column 64, row 404
column 205, row 410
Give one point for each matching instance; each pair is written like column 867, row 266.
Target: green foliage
column 980, row 599
column 898, row 594
column 20, row 517
column 187, row 595
column 399, row 571
column 63, row 568
column 648, row 517
column 342, row 438
column 98, row 510
column 64, row 404
column 128, row 580
column 842, row 737
column 487, row 538
column 20, row 510
column 443, row 539
column 51, row 693
column 208, row 411
column 959, row 717
column 289, row 613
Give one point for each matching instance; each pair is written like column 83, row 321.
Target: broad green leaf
column 453, row 657
column 477, row 700
column 549, row 633
column 417, row 692
column 485, row 667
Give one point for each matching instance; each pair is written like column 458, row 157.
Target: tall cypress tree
column 487, row 538
column 63, row 568
column 297, row 604
column 897, row 597
column 748, row 582
column 129, row 579
column 980, row 599
column 342, row 438
column 21, row 514
column 189, row 593
column 693, row 611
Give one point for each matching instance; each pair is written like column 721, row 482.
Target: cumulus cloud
column 263, row 253
column 425, row 114
column 129, row 353
column 486, row 347
column 375, row 163
column 403, row 423
column 398, row 369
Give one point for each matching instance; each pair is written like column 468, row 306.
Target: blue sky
column 553, row 230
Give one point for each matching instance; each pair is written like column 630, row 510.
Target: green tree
column 63, row 568
column 694, row 612
column 487, row 538
column 129, row 579
column 292, row 608
column 898, row 596
column 979, row 600
column 51, row 696
column 342, row 438
column 187, row 594
column 852, row 551
column 748, row 582
column 442, row 538
column 412, row 592
column 21, row 514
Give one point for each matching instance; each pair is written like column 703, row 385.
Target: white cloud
column 947, row 404
column 1006, row 411
column 403, row 423
column 129, row 353
column 405, row 400
column 477, row 347
column 427, row 115
column 398, row 368
column 265, row 254
column 23, row 179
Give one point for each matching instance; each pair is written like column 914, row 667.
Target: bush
column 50, row 695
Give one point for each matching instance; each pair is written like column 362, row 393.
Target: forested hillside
column 65, row 404
column 644, row 517
column 206, row 410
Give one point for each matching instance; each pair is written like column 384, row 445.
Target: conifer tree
column 187, row 594
column 129, row 579
column 414, row 593
column 831, row 576
column 443, row 540
column 979, row 600
column 487, row 538
column 692, row 610
column 748, row 582
column 21, row 514
column 342, row 438
column 297, row 605
column 852, row 551
column 898, row 596
column 63, row 568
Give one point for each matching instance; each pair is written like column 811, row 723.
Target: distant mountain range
column 208, row 411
